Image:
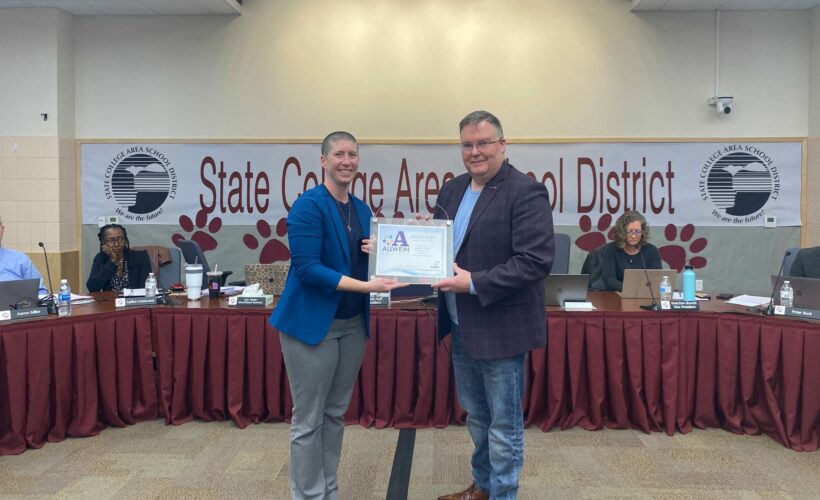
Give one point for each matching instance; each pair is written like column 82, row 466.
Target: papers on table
column 749, row 300
column 578, row 306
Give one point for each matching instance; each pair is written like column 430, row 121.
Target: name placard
column 32, row 312
column 795, row 312
column 135, row 301
column 260, row 301
column 680, row 305
column 379, row 298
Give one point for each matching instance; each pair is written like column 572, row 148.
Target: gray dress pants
column 321, row 382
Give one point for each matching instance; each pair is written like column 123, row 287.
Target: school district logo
column 739, row 181
column 140, row 179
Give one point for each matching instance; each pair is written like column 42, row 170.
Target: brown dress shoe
column 471, row 493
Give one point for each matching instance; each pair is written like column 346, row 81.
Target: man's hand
column 459, row 283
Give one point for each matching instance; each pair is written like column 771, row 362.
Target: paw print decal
column 205, row 240
column 591, row 240
column 274, row 250
column 677, row 254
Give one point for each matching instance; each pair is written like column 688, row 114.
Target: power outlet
column 698, row 285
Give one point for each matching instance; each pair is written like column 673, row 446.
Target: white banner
column 707, row 184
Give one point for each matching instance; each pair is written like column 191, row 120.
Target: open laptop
column 560, row 288
column 21, row 294
column 806, row 291
column 635, row 283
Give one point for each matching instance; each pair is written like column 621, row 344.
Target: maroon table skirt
column 653, row 372
column 74, row 376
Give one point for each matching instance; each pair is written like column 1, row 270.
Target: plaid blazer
column 508, row 250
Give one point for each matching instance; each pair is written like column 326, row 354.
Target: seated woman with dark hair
column 630, row 250
column 117, row 266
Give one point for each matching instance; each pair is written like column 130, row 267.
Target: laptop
column 560, row 288
column 806, row 291
column 634, row 285
column 21, row 294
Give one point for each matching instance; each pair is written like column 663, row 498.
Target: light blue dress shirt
column 16, row 265
column 465, row 210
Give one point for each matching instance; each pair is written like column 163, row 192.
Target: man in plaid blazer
column 494, row 303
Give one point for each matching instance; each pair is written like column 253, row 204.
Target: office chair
column 560, row 264
column 193, row 254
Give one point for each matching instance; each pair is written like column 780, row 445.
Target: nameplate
column 379, row 298
column 680, row 305
column 135, row 301
column 260, row 301
column 32, row 312
column 795, row 312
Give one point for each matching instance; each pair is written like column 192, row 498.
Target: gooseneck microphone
column 48, row 301
column 654, row 306
column 770, row 310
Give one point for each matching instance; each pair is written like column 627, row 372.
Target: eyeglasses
column 467, row 147
column 114, row 241
column 634, row 232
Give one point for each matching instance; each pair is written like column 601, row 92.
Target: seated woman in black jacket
column 630, row 250
column 117, row 266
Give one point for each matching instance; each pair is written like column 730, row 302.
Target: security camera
column 722, row 104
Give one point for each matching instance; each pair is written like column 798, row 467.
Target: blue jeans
column 491, row 392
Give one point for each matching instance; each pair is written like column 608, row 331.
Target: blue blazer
column 319, row 256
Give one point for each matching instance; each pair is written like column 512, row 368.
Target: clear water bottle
column 786, row 294
column 64, row 298
column 666, row 289
column 151, row 286
column 689, row 283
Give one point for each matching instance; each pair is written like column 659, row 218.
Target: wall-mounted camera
column 722, row 104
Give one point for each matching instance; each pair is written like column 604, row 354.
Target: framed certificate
column 412, row 251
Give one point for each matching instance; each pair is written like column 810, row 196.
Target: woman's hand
column 384, row 284
column 110, row 253
column 368, row 245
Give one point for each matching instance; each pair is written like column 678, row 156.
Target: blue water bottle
column 689, row 283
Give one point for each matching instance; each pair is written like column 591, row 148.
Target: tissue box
column 263, row 301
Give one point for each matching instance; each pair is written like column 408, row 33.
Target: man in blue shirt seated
column 16, row 265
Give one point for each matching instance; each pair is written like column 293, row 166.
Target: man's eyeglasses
column 467, row 147
column 634, row 232
column 114, row 241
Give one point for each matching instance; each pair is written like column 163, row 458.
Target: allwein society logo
column 397, row 244
column 739, row 180
column 140, row 179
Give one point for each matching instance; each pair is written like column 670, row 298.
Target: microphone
column 770, row 310
column 654, row 306
column 48, row 301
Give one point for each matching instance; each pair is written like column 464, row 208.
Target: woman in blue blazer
column 323, row 315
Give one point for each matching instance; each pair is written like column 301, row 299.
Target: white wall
column 586, row 68
column 28, row 71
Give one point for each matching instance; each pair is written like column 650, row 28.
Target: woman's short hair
column 626, row 219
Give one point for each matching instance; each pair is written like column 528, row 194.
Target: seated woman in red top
column 117, row 266
column 630, row 250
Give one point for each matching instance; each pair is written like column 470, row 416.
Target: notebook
column 560, row 288
column 19, row 293
column 635, row 283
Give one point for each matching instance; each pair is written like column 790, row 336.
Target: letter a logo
column 401, row 240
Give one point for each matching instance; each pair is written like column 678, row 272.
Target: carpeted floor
column 217, row 460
